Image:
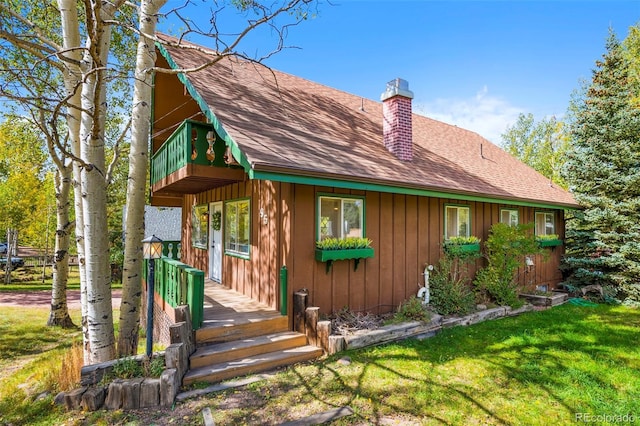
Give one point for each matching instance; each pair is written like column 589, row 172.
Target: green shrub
column 411, row 309
column 127, row 368
column 155, row 367
column 505, row 250
column 450, row 288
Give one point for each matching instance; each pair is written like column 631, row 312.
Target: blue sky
column 475, row 64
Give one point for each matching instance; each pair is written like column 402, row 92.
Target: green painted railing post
column 195, row 296
column 283, row 290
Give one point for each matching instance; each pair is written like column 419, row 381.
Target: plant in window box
column 462, row 246
column 550, row 240
column 330, row 249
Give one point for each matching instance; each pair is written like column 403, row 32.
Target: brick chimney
column 396, row 119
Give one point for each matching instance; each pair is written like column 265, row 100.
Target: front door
column 215, row 241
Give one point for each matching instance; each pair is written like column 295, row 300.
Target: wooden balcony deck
column 224, row 307
column 188, row 163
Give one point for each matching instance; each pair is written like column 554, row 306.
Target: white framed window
column 509, row 217
column 457, row 221
column 545, row 223
column 237, row 227
column 340, row 217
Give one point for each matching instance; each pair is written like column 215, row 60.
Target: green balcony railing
column 180, row 284
column 188, row 144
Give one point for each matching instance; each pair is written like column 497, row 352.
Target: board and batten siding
column 407, row 233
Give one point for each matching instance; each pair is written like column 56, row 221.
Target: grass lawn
column 540, row 368
column 31, row 363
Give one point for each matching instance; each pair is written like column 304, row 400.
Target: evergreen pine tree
column 603, row 171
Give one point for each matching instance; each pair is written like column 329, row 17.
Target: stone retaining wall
column 336, row 343
column 142, row 392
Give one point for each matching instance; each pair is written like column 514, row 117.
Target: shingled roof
column 292, row 128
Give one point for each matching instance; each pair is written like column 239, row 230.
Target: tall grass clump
column 411, row 309
column 68, row 376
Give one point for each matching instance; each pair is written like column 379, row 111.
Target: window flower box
column 548, row 241
column 332, row 249
column 462, row 246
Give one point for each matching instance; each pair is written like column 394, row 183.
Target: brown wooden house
column 264, row 163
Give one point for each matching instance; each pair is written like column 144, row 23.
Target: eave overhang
column 308, row 177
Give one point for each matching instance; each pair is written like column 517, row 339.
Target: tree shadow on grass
column 567, row 357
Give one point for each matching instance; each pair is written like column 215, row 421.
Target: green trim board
column 379, row 187
column 204, row 107
column 238, row 255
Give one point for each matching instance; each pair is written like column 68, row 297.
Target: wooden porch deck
column 241, row 336
column 224, row 307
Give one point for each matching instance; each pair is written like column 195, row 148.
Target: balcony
column 189, row 163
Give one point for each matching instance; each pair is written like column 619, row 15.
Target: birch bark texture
column 72, row 77
column 59, row 315
column 93, row 184
column 136, row 186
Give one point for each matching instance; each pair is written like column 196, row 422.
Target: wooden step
column 239, row 331
column 227, row 351
column 253, row 364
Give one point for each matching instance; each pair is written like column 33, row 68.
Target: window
column 545, row 223
column 237, row 227
column 340, row 217
column 457, row 222
column 199, row 221
column 509, row 217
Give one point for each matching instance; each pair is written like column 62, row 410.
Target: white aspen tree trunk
column 93, row 186
column 59, row 315
column 79, row 231
column 138, row 161
column 73, row 82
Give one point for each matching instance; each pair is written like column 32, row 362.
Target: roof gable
column 288, row 126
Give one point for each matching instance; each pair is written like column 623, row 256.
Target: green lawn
column 30, row 361
column 540, row 368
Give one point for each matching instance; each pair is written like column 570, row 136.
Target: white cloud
column 483, row 113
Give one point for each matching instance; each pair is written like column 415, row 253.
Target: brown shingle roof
column 294, row 126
